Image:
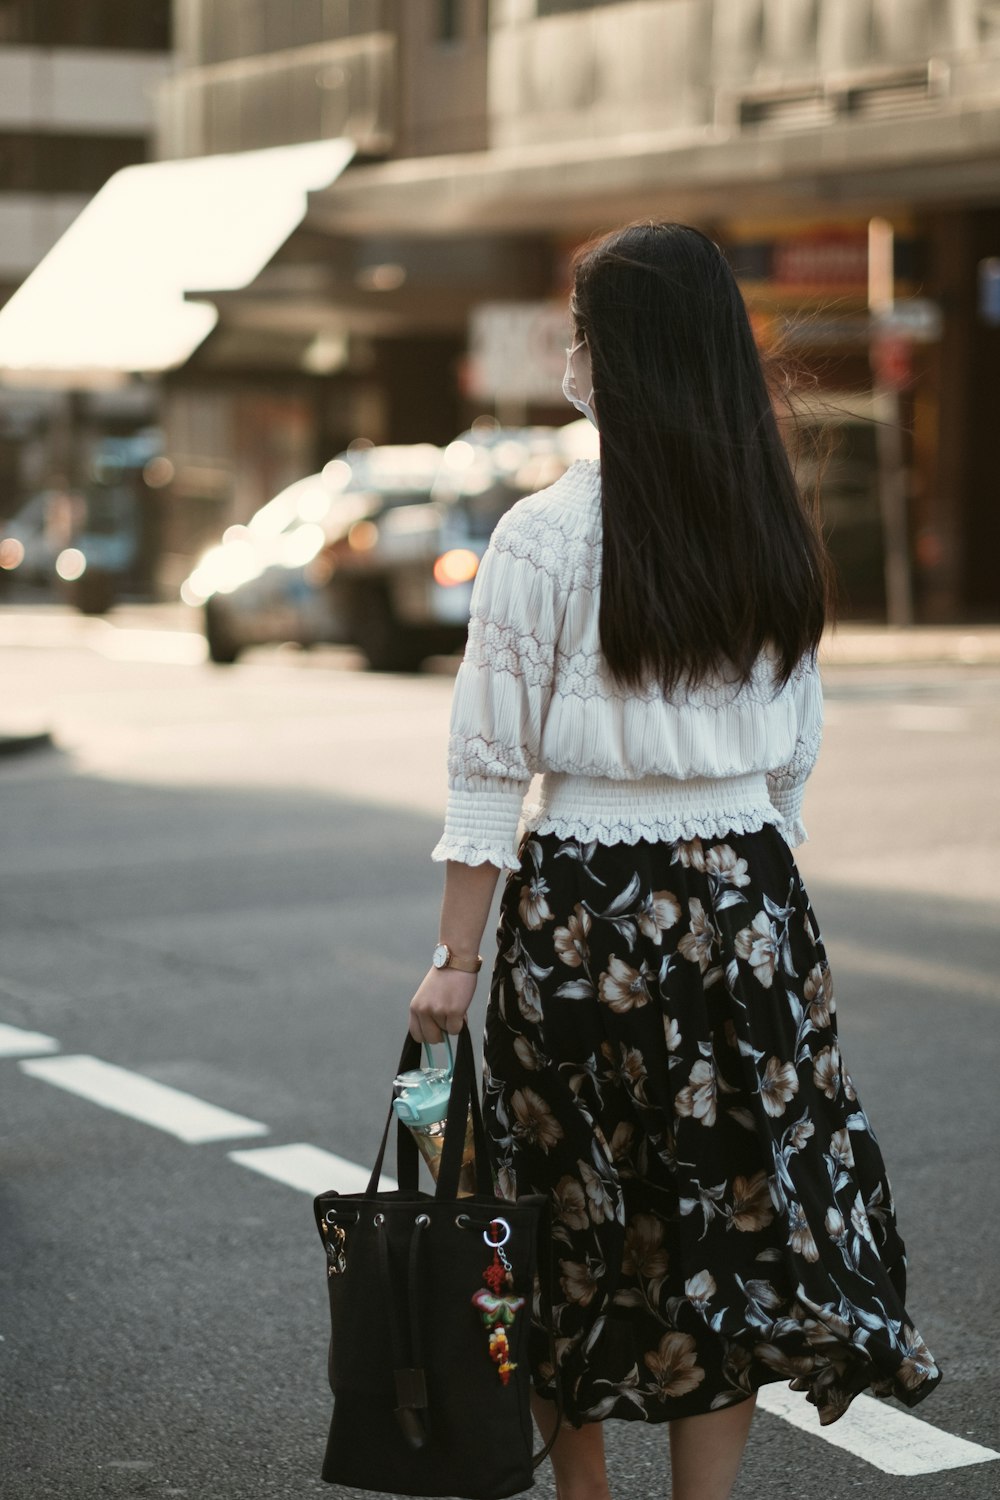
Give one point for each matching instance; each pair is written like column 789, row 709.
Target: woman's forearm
column 468, row 896
column 444, row 996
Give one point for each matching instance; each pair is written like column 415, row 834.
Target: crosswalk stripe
column 884, row 1436
column 307, row 1168
column 14, row 1042
column 127, row 1093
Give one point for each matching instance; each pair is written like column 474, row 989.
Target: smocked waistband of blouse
column 653, row 807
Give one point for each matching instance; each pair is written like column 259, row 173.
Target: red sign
column 833, row 258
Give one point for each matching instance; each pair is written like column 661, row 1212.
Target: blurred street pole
column 891, row 469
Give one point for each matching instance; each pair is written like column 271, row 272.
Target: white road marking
column 17, row 1043
column 156, row 1104
column 308, row 1169
column 882, row 1435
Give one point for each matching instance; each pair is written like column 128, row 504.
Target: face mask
column 570, row 391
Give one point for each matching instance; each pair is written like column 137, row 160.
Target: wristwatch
column 443, row 958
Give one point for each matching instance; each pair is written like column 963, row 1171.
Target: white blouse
column 533, row 694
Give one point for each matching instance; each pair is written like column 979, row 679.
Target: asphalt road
column 220, row 882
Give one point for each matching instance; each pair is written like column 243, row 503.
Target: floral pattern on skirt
column 661, row 1059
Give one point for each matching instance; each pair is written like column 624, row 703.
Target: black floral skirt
column 661, row 1059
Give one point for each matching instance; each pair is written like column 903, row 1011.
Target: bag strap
column 407, row 1156
column 410, row 1377
column 463, row 1102
column 546, row 1282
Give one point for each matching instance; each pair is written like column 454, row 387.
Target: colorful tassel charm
column 497, row 1306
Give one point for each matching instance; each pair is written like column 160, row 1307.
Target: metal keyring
column 495, row 1244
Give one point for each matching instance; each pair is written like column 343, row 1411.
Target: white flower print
column 671, row 1034
column 622, row 987
column 700, row 1289
column 533, row 906
column 696, row 945
column 800, row 1236
column 779, row 1083
column 841, row 1149
column 600, row 1204
column 657, row 913
column 817, row 990
column 690, row 854
column 758, row 943
column 697, row 1097
column 835, row 1223
column 571, row 940
column 859, row 1221
column 727, row 866
column 529, row 1000
column 826, row 1070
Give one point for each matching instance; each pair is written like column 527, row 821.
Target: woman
column 661, row 1046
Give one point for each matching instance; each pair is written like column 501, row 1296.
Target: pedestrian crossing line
column 883, row 1436
column 126, row 1093
column 15, row 1042
column 307, row 1168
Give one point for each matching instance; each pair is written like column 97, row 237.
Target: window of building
column 137, row 25
column 63, row 163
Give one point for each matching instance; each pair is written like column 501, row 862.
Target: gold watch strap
column 463, row 966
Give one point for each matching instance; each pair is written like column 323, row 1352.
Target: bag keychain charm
column 496, row 1306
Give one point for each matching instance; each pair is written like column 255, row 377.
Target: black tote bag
column 421, row 1406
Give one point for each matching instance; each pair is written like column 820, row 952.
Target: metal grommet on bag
column 422, row 1221
column 378, row 1220
column 330, row 1216
column 462, row 1221
column 495, row 1244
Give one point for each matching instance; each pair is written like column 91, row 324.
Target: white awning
column 109, row 297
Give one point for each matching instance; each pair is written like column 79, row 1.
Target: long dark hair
column 710, row 554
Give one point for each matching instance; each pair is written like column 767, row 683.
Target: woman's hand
column 441, row 1004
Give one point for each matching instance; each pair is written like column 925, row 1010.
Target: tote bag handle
column 463, row 1101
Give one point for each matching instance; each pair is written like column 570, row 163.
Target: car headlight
column 458, row 565
column 71, row 564
column 11, row 553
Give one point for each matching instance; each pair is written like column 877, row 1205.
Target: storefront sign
column 830, row 258
column 517, row 351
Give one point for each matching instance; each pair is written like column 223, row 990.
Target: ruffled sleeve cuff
column 480, row 826
column 788, row 801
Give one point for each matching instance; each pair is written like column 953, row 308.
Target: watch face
column 440, row 956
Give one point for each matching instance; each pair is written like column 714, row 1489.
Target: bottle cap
column 422, row 1096
column 422, row 1093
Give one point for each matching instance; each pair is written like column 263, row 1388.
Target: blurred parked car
column 386, row 557
column 33, row 538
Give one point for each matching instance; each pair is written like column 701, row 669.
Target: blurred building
column 76, row 105
column 427, row 282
